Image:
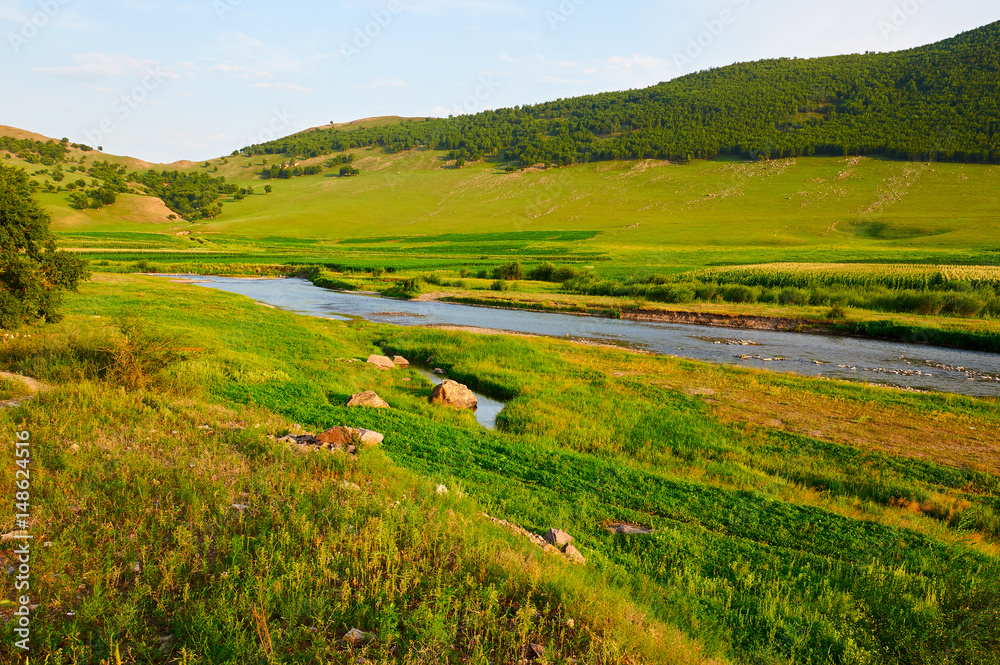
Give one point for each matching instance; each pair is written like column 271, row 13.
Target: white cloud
column 635, row 70
column 101, row 65
column 383, row 83
column 468, row 6
column 274, row 85
column 239, row 46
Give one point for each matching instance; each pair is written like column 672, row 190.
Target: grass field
column 644, row 215
column 777, row 538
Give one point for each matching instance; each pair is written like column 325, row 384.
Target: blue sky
column 193, row 79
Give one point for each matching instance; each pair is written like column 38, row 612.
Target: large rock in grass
column 454, row 394
column 349, row 436
column 558, row 537
column 400, row 361
column 368, row 398
column 381, row 362
column 574, row 556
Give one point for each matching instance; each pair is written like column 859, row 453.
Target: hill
column 933, row 102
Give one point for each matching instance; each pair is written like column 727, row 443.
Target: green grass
column 769, row 546
column 176, row 516
column 12, row 389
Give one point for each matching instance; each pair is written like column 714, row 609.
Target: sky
column 164, row 80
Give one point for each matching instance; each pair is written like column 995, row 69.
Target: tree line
column 937, row 102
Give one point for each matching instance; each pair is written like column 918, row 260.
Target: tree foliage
column 191, row 195
column 34, row 151
column 940, row 101
column 32, row 273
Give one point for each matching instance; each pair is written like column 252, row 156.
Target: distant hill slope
column 940, row 101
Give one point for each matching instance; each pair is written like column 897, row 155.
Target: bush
column 509, row 271
column 964, row 304
column 738, row 293
column 837, row 312
column 791, row 296
column 138, row 354
column 563, row 273
column 499, row 285
column 706, row 292
column 542, row 273
column 483, row 274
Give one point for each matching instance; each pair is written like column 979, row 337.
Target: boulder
column 381, row 362
column 454, row 394
column 400, row 361
column 347, row 436
column 368, row 398
column 558, row 538
column 355, row 636
column 574, row 555
column 438, row 371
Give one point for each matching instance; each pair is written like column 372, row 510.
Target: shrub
column 562, row 273
column 964, row 304
column 499, row 285
column 542, row 273
column 509, row 271
column 791, row 296
column 139, row 352
column 738, row 293
column 837, row 312
column 706, row 291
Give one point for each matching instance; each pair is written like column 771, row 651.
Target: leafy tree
column 267, row 189
column 32, row 272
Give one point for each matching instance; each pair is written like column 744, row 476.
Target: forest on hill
column 935, row 102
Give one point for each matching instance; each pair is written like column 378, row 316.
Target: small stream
column 881, row 362
column 487, row 409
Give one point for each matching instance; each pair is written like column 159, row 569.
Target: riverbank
column 872, row 325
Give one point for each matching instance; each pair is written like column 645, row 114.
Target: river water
column 872, row 361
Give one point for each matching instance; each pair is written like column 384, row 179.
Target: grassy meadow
column 788, row 526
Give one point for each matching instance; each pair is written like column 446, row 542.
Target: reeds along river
column 872, row 361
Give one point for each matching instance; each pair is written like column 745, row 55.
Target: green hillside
column 937, row 102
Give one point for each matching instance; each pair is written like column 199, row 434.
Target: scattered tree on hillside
column 32, row 273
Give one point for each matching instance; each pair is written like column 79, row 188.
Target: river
column 897, row 364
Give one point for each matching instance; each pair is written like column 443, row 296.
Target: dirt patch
column 627, row 528
column 724, row 320
column 480, row 331
column 34, row 387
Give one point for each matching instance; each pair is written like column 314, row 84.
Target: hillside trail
column 34, row 387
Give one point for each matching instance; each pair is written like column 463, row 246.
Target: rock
column 381, row 362
column 75, row 448
column 441, row 489
column 438, row 371
column 558, row 538
column 574, row 555
column 355, row 636
column 368, row 398
column 535, row 651
column 346, row 436
column 454, row 394
column 627, row 529
column 400, row 361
